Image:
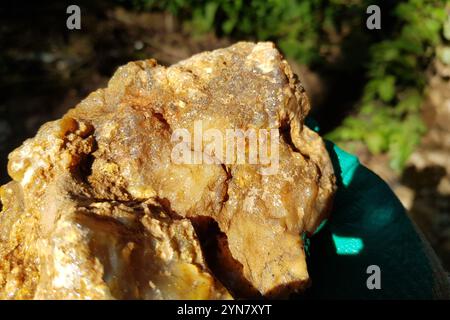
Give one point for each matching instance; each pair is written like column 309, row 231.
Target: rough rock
column 98, row 208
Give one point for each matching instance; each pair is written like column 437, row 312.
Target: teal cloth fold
column 369, row 226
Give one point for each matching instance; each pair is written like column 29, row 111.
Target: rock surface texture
column 98, row 209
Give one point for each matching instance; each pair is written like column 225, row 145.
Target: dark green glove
column 369, row 226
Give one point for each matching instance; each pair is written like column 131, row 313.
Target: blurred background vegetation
column 332, row 34
column 382, row 94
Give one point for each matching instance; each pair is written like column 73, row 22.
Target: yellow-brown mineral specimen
column 99, row 209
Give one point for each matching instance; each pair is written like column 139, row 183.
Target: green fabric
column 368, row 226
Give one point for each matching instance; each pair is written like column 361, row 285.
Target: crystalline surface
column 98, row 208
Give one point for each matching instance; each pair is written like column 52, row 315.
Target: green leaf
column 386, row 88
column 228, row 26
column 375, row 142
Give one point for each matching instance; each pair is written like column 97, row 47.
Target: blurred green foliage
column 297, row 26
column 389, row 115
column 387, row 118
